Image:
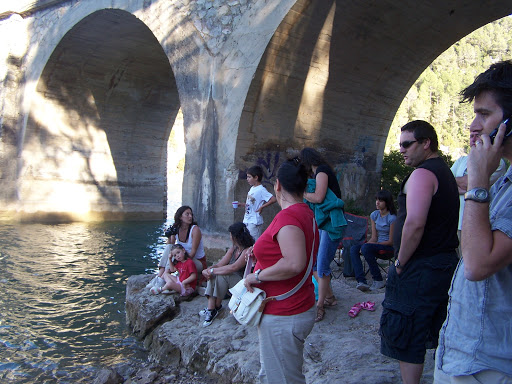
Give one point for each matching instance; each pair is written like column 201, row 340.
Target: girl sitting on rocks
column 185, row 282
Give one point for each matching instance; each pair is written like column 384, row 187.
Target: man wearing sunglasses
column 475, row 342
column 425, row 242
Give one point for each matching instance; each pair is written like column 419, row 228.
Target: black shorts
column 414, row 307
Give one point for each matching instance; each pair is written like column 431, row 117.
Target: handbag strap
column 304, row 278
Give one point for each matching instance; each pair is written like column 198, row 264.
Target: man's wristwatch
column 257, row 275
column 397, row 264
column 480, row 195
column 211, row 271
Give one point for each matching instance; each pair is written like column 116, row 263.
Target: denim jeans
column 326, row 252
column 370, row 253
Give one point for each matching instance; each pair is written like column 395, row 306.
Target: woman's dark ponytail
column 293, row 176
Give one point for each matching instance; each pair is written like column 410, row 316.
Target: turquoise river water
column 62, row 295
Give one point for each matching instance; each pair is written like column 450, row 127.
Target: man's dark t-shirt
column 440, row 234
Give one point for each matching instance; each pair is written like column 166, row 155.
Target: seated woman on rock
column 382, row 222
column 186, row 232
column 227, row 272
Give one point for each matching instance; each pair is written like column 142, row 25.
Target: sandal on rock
column 330, row 301
column 368, row 305
column 355, row 310
column 320, row 313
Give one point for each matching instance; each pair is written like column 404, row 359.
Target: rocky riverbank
column 340, row 349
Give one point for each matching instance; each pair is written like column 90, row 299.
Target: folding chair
column 384, row 255
column 356, row 232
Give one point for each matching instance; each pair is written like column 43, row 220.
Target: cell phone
column 508, row 130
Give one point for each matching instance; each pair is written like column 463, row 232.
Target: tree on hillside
column 435, row 95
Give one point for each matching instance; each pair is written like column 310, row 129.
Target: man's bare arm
column 420, row 188
column 484, row 251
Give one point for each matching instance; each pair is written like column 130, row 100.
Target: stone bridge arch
column 95, row 140
column 256, row 81
column 333, row 76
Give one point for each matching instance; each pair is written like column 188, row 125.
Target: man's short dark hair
column 422, row 131
column 498, row 80
column 256, row 171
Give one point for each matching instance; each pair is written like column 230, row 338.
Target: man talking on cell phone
column 475, row 342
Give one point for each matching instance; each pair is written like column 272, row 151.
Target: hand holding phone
column 508, row 131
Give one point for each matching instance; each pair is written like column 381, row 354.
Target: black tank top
column 332, row 181
column 440, row 234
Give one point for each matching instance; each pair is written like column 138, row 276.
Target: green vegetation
column 352, row 206
column 435, row 95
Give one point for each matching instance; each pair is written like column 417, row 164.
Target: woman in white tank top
column 186, row 232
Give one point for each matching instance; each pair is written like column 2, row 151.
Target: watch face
column 481, row 194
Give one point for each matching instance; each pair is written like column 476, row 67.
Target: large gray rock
column 172, row 332
column 340, row 349
column 108, row 376
column 145, row 311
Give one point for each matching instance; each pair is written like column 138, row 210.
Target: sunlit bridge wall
column 95, row 143
column 91, row 90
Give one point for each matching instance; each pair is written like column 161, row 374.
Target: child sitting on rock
column 186, row 281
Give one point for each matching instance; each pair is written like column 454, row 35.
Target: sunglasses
column 407, row 144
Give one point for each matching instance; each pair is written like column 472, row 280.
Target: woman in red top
column 282, row 253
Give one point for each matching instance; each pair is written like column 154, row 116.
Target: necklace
column 240, row 253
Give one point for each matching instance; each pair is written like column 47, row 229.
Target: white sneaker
column 155, row 290
column 363, row 287
column 377, row 285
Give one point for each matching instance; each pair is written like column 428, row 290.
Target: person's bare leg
column 411, row 373
column 211, row 302
column 324, row 290
column 171, row 283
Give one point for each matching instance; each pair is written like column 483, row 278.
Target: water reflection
column 62, row 294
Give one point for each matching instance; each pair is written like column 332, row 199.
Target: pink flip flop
column 355, row 310
column 368, row 305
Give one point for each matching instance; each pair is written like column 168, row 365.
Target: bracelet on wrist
column 257, row 275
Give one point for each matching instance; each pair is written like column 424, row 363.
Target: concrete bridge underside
column 89, row 103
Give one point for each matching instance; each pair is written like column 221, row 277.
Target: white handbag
column 247, row 307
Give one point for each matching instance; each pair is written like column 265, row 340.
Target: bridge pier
column 91, row 90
